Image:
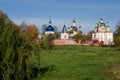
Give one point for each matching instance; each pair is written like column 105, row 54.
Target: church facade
column 102, row 33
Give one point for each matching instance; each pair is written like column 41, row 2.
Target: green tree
column 117, row 40
column 15, row 52
column 117, row 35
column 46, row 42
column 4, row 20
column 117, row 31
column 44, row 26
column 78, row 37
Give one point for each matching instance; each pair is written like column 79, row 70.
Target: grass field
column 71, row 62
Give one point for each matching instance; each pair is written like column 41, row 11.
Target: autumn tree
column 89, row 35
column 32, row 32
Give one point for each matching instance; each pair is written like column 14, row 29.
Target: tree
column 4, row 20
column 117, row 32
column 117, row 40
column 44, row 26
column 32, row 32
column 83, row 38
column 117, row 35
column 78, row 37
column 46, row 42
column 89, row 35
column 15, row 52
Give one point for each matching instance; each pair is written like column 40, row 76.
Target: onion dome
column 50, row 27
column 80, row 29
column 101, row 23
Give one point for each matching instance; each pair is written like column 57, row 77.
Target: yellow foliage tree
column 32, row 32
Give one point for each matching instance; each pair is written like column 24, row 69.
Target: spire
column 50, row 22
column 80, row 27
column 74, row 20
column 64, row 29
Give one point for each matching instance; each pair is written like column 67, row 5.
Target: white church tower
column 74, row 27
column 102, row 33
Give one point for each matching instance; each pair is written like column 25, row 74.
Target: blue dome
column 50, row 28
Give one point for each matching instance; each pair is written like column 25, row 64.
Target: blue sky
column 86, row 12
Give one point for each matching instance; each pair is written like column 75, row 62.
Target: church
column 66, row 32
column 71, row 31
column 102, row 33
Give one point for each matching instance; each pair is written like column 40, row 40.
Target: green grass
column 71, row 62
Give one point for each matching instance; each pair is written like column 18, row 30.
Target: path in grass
column 72, row 62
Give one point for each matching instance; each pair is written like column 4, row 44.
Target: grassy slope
column 79, row 62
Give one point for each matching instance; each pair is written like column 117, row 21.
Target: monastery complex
column 101, row 33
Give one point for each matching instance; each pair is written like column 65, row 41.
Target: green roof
column 101, row 24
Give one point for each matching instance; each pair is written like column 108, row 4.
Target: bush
column 117, row 40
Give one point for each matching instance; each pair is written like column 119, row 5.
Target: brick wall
column 70, row 42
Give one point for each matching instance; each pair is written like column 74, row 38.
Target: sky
column 86, row 12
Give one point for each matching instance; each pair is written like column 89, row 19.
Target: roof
column 64, row 29
column 50, row 27
column 74, row 20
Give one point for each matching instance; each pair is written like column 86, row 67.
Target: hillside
column 72, row 62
